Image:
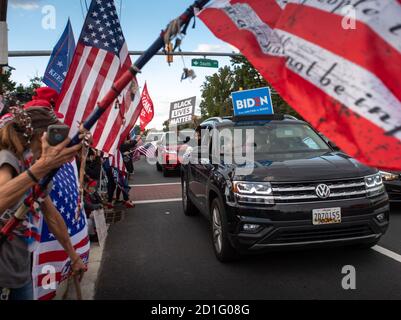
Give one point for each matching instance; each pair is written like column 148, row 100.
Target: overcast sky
column 141, row 22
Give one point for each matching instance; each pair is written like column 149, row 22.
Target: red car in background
column 170, row 149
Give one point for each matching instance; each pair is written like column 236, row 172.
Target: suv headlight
column 253, row 188
column 253, row 192
column 374, row 185
column 388, row 176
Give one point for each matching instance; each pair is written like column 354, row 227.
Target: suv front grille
column 320, row 234
column 306, row 192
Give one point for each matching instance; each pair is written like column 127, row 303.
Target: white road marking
column 157, row 201
column 155, row 184
column 388, row 253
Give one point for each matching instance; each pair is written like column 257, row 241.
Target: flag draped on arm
column 100, row 58
column 50, row 255
column 344, row 81
column 60, row 59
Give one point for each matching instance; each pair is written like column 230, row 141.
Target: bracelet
column 32, row 176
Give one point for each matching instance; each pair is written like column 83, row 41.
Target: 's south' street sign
column 251, row 102
column 206, row 63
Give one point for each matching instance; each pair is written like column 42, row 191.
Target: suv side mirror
column 187, row 139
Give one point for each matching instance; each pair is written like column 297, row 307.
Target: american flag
column 337, row 63
column 148, row 150
column 64, row 195
column 117, row 162
column 100, row 58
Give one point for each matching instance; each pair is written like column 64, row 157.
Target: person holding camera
column 26, row 157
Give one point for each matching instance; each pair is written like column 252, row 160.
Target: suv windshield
column 274, row 138
column 172, row 139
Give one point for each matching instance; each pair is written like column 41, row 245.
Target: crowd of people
column 26, row 157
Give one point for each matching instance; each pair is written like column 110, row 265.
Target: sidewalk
column 88, row 284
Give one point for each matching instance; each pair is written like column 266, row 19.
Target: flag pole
column 103, row 105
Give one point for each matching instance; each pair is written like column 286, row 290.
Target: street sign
column 182, row 111
column 205, row 63
column 252, row 102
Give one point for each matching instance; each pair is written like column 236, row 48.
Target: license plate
column 326, row 216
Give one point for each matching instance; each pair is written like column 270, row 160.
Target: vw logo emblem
column 322, row 191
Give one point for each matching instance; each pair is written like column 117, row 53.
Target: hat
column 46, row 93
column 43, row 104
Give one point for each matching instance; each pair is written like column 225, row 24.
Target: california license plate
column 326, row 216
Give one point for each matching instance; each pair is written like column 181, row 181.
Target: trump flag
column 60, row 59
column 341, row 74
column 147, row 112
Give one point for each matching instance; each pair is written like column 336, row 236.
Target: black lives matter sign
column 182, row 111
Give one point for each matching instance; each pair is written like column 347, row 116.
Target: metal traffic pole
column 3, row 39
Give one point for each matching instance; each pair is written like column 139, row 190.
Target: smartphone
column 57, row 134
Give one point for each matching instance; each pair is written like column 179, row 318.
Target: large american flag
column 64, row 195
column 341, row 74
column 100, row 58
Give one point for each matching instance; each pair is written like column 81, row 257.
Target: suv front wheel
column 221, row 244
column 187, row 205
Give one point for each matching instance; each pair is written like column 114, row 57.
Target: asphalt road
column 158, row 253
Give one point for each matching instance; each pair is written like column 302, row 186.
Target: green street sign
column 205, row 63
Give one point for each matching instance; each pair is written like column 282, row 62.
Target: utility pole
column 3, row 33
column 3, row 44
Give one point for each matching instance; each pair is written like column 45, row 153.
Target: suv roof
column 221, row 121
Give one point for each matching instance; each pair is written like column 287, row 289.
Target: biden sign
column 252, row 102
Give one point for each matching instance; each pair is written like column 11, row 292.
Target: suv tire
column 221, row 244
column 187, row 205
column 166, row 173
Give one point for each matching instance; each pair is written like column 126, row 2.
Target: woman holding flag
column 25, row 158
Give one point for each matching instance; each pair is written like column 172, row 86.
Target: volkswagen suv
column 298, row 193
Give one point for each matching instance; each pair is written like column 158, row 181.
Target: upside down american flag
column 100, row 58
column 50, row 255
column 345, row 81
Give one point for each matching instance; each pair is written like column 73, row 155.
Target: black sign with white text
column 182, row 111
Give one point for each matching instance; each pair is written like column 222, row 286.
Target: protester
column 126, row 149
column 123, row 188
column 25, row 158
column 116, row 180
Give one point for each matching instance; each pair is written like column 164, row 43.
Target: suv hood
column 305, row 167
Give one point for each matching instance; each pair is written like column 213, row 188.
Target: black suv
column 299, row 193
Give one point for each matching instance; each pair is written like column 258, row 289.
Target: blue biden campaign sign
column 252, row 102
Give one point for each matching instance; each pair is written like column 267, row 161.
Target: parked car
column 301, row 192
column 170, row 150
column 391, row 180
column 392, row 183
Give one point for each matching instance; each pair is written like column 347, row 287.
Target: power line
column 82, row 9
column 45, row 53
column 121, row 7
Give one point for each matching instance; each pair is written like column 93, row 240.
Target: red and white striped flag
column 100, row 58
column 117, row 161
column 345, row 81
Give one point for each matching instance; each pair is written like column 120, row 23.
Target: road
column 158, row 253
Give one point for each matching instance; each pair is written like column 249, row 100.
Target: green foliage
column 17, row 94
column 216, row 90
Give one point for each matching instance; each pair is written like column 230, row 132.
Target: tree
column 216, row 90
column 17, row 94
column 216, row 93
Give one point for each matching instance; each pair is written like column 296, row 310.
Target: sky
column 141, row 22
